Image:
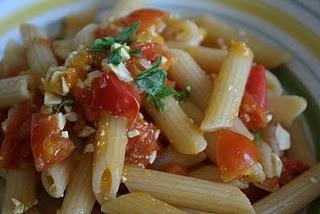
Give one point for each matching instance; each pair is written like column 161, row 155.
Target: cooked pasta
column 136, row 110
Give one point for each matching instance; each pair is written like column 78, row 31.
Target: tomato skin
column 15, row 147
column 108, row 93
column 235, row 154
column 291, row 169
column 140, row 148
column 146, row 16
column 175, row 168
column 47, row 144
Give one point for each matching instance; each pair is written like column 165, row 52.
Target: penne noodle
column 14, row 60
column 73, row 23
column 122, row 8
column 20, row 190
column 228, row 89
column 273, row 84
column 39, row 55
column 240, row 128
column 186, row 72
column 85, row 36
column 186, row 137
column 218, row 31
column 56, row 178
column 15, row 90
column 293, row 196
column 209, row 59
column 138, row 203
column 62, row 48
column 109, row 153
column 192, row 211
column 173, row 156
column 286, row 108
column 79, row 196
column 187, row 192
column 208, row 172
column 192, row 111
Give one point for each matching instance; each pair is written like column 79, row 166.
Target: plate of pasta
column 136, row 106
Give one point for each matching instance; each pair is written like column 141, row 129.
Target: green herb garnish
column 257, row 138
column 136, row 53
column 65, row 102
column 127, row 33
column 115, row 57
column 102, row 44
column 152, row 81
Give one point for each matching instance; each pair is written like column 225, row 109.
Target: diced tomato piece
column 291, row 169
column 15, row 148
column 175, row 168
column 73, row 75
column 142, row 149
column 235, row 154
column 110, row 94
column 48, row 145
column 146, row 16
column 149, row 50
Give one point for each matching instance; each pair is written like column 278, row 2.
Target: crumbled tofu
column 133, row 133
column 124, row 50
column 89, row 148
column 240, row 184
column 277, row 164
column 51, row 99
column 282, row 138
column 65, row 134
column 145, row 63
column 123, row 179
column 18, row 206
column 91, row 76
column 70, row 58
column 269, row 117
column 164, row 60
column 65, row 87
column 257, row 174
column 313, row 180
column 87, row 130
column 46, row 109
column 61, row 120
column 119, row 70
column 71, row 116
column 152, row 157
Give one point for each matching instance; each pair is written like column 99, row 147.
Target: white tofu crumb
column 91, row 76
column 61, row 120
column 313, row 180
column 277, row 164
column 123, row 179
column 133, row 133
column 145, row 63
column 164, row 60
column 65, row 87
column 89, row 148
column 124, row 50
column 87, row 130
column 65, row 134
column 70, row 58
column 18, row 206
column 282, row 138
column 51, row 99
column 119, row 70
column 152, row 157
column 71, row 116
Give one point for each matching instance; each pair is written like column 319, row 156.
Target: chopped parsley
column 102, row 44
column 115, row 57
column 65, row 102
column 126, row 34
column 152, row 81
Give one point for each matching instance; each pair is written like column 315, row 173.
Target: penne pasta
column 187, row 192
column 56, row 178
column 20, row 190
column 122, row 8
column 273, row 84
column 173, row 156
column 208, row 172
column 228, row 89
column 14, row 59
column 186, row 72
column 192, row 111
column 178, row 128
column 192, row 211
column 218, row 32
column 240, row 128
column 293, row 196
column 138, row 203
column 286, row 108
column 79, row 196
column 14, row 90
column 62, row 48
column 85, row 36
column 109, row 153
column 39, row 54
column 73, row 23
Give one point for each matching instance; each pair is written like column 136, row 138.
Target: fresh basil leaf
column 136, row 53
column 65, row 102
column 102, row 44
column 115, row 57
column 127, row 33
column 183, row 94
column 257, row 138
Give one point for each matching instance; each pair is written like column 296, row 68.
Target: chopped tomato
column 15, row 148
column 175, row 168
column 253, row 109
column 47, row 143
column 142, row 149
column 110, row 94
column 235, row 154
column 291, row 169
column 73, row 76
column 146, row 16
